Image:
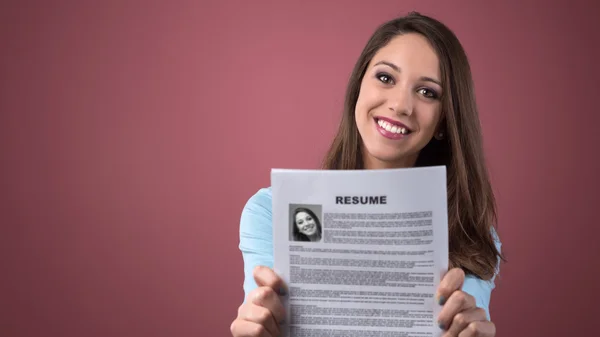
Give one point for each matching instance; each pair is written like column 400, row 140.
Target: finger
column 266, row 277
column 462, row 319
column 479, row 329
column 262, row 316
column 458, row 302
column 243, row 328
column 452, row 281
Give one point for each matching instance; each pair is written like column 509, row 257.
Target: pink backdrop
column 132, row 134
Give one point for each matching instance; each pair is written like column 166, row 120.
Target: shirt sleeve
column 256, row 236
column 482, row 290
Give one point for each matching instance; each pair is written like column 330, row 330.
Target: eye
column 385, row 78
column 308, row 218
column 428, row 93
column 300, row 222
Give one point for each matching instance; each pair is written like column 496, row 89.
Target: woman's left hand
column 460, row 317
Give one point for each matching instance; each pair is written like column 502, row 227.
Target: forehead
column 411, row 52
column 301, row 214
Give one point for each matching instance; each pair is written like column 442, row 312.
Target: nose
column 400, row 101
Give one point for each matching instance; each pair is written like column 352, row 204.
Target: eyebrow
column 397, row 69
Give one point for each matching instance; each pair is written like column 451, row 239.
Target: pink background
column 132, row 134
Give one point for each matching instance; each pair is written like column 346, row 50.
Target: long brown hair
column 471, row 203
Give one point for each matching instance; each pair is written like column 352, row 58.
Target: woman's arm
column 482, row 290
column 256, row 236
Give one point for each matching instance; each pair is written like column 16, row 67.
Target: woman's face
column 398, row 107
column 306, row 224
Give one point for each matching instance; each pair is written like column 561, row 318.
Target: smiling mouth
column 391, row 129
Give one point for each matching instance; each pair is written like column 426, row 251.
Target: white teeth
column 392, row 128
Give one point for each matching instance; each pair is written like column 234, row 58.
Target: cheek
column 428, row 120
column 359, row 109
column 368, row 99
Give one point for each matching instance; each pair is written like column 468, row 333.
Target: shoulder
column 261, row 198
column 258, row 206
column 256, row 221
column 496, row 238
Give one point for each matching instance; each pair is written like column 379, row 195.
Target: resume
column 362, row 252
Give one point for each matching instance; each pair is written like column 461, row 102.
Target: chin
column 384, row 153
column 387, row 155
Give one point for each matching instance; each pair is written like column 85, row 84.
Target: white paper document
column 362, row 252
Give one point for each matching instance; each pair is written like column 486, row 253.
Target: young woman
column 306, row 226
column 409, row 102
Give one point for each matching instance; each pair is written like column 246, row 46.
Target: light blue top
column 257, row 248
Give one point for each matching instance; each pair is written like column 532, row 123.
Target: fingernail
column 282, row 291
column 441, row 325
column 441, row 300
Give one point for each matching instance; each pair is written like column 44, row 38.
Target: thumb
column 266, row 277
column 452, row 281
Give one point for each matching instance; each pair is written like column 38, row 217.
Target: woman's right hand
column 262, row 313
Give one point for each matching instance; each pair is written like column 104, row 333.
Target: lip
column 388, row 134
column 393, row 122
